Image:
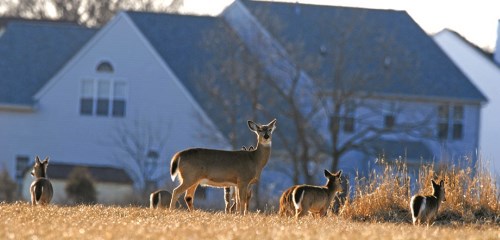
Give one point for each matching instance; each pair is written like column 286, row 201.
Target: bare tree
column 140, row 143
column 86, row 12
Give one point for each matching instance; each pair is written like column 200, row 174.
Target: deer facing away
column 41, row 188
column 316, row 199
column 220, row 168
column 286, row 203
column 425, row 208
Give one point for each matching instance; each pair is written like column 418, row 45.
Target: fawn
column 41, row 188
column 316, row 199
column 425, row 208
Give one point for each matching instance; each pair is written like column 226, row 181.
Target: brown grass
column 471, row 195
column 22, row 221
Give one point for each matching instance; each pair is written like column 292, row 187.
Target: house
column 404, row 74
column 483, row 69
column 171, row 79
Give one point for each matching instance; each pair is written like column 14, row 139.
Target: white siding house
column 484, row 73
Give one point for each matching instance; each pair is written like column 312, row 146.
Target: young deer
column 316, row 199
column 159, row 199
column 41, row 188
column 425, row 208
column 220, row 168
column 286, row 203
column 228, row 195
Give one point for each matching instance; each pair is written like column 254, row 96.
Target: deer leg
column 242, row 197
column 177, row 193
column 227, row 199
column 189, row 197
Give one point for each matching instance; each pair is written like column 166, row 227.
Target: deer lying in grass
column 228, row 195
column 41, row 188
column 220, row 168
column 316, row 199
column 286, row 203
column 425, row 208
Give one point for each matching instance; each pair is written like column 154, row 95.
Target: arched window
column 104, row 67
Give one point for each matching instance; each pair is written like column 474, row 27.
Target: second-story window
column 450, row 122
column 103, row 98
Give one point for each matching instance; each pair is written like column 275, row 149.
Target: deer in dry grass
column 41, row 188
column 425, row 208
column 159, row 199
column 228, row 195
column 286, row 203
column 221, row 168
column 316, row 199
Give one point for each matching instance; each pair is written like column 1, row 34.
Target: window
column 105, row 67
column 450, row 120
column 389, row 121
column 103, row 98
column 21, row 166
column 119, row 99
column 348, row 120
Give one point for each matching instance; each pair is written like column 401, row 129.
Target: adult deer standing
column 220, row 168
column 41, row 188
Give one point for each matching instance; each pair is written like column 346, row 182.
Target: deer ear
column 339, row 173
column 253, row 126
column 272, row 124
column 328, row 173
column 46, row 161
column 37, row 159
column 434, row 183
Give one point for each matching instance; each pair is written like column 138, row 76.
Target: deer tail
column 298, row 196
column 38, row 191
column 174, row 166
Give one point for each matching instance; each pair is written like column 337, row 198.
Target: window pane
column 102, row 107
column 443, row 131
column 87, row 89
column 103, row 88
column 119, row 90
column 457, row 131
column 118, row 108
column 105, row 67
column 443, row 112
column 86, row 106
column 458, row 112
column 389, row 121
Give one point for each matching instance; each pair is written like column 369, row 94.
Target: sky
column 476, row 20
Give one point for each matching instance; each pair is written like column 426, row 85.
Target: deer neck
column 261, row 154
column 330, row 185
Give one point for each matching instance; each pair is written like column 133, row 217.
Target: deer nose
column 266, row 136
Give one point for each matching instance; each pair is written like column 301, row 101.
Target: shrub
column 80, row 187
column 7, row 187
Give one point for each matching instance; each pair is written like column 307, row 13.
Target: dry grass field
column 22, row 221
column 379, row 209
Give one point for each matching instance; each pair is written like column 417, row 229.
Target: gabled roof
column 385, row 47
column 195, row 47
column 488, row 55
column 32, row 52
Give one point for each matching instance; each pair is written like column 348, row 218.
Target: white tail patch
column 174, row 175
column 297, row 204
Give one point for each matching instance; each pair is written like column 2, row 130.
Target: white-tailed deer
column 425, row 208
column 286, row 203
column 159, row 199
column 220, row 168
column 316, row 199
column 231, row 195
column 41, row 188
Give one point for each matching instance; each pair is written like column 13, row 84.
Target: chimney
column 496, row 54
